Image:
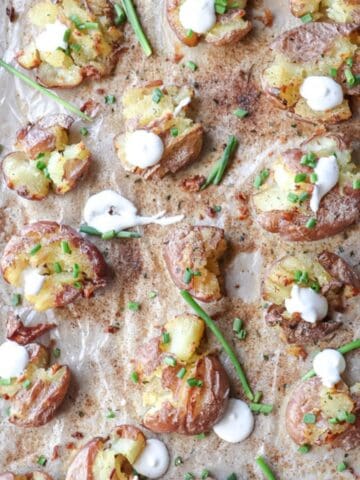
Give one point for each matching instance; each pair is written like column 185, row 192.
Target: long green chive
column 304, row 448
column 134, row 306
column 181, row 373
column 35, row 249
column 135, row 23
column 194, row 382
column 261, row 178
column 44, row 90
column 217, row 172
column 134, row 377
column 157, row 95
column 348, row 347
column 108, row 235
column 216, row 331
column 261, row 408
column 240, row 113
column 120, row 15
column 192, row 66
column 266, row 470
column 307, row 18
column 90, row 230
column 42, row 460
column 76, row 270
column 124, row 234
column 171, row 361
column 309, row 418
column 65, row 247
column 15, row 299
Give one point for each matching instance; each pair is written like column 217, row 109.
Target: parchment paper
column 101, row 362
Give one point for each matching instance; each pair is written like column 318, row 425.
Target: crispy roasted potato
column 327, row 273
column 109, row 459
column 25, row 476
column 230, row 27
column 187, row 404
column 283, row 206
column 93, row 42
column 325, row 403
column 308, row 50
column 45, row 159
column 37, row 394
column 142, row 113
column 341, row 11
column 192, row 257
column 70, row 264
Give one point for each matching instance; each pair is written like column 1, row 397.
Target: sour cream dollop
column 14, row 359
column 109, row 210
column 143, row 149
column 321, row 93
column 329, row 365
column 52, row 37
column 32, row 281
column 198, row 15
column 327, row 171
column 312, row 306
column 154, row 460
column 236, row 424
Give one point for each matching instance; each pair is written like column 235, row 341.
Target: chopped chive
column 110, row 414
column 165, row 338
column 125, row 234
column 174, row 132
column 189, row 476
column 200, row 436
column 350, row 62
column 40, row 165
column 194, row 382
column 67, row 35
column 41, row 460
column 44, row 90
column 46, row 173
column 315, row 286
column 89, row 230
column 292, row 197
column 192, row 66
column 56, row 352
column 220, row 337
column 232, row 477
column 242, row 334
column 333, row 72
column 237, row 324
column 303, row 196
column 135, row 23
column 152, row 295
column 134, row 377
column 170, row 361
column 311, row 223
column 57, row 267
column 263, row 408
column 309, row 159
column 205, row 474
column 309, row 418
column 301, row 277
column 120, row 15
column 240, row 113
column 189, row 274
column 313, row 178
column 39, row 156
column 108, row 235
column 181, row 373
column 84, row 131
column 300, row 177
column 217, row 208
column 5, row 381
column 110, row 99
column 307, row 18
column 261, row 178
column 333, row 421
column 134, row 306
column 178, row 461
column 350, row 78
column 76, row 47
column 88, row 26
column 15, row 299
column 157, row 95
column 35, row 249
column 65, row 247
column 266, row 470
column 258, row 397
column 220, row 9
column 356, row 184
column 76, row 270
column 304, row 448
column 217, row 172
column 77, row 284
column 341, row 467
column 189, row 33
column 26, row 384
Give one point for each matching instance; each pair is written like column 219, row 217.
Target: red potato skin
column 28, row 476
column 49, row 232
column 19, row 333
column 81, row 466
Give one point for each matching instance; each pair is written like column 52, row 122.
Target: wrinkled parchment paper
column 101, row 362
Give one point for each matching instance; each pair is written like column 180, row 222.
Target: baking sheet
column 100, row 362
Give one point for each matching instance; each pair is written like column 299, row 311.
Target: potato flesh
column 186, row 333
column 338, row 10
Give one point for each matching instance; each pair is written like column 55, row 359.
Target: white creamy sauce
column 312, row 306
column 198, row 15
column 154, row 460
column 52, row 37
column 327, row 171
column 143, row 149
column 329, row 365
column 32, row 281
column 185, row 101
column 236, row 424
column 108, row 210
column 14, row 359
column 321, row 93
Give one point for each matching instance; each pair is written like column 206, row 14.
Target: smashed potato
column 192, row 257
column 230, row 26
column 25, row 476
column 185, row 391
column 109, row 459
column 89, row 46
column 327, row 274
column 313, row 49
column 282, row 203
column 165, row 117
column 54, row 265
column 330, row 406
column 341, row 11
column 45, row 160
column 37, row 394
